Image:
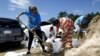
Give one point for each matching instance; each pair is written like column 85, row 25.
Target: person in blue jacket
column 34, row 23
column 79, row 22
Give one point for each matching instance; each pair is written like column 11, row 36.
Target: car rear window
column 9, row 23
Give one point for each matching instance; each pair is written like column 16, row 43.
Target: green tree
column 62, row 14
column 97, row 13
column 73, row 17
column 89, row 17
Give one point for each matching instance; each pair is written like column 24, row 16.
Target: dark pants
column 31, row 36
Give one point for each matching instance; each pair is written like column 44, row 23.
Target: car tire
column 18, row 43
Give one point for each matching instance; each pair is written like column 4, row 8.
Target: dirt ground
column 12, row 47
column 8, row 47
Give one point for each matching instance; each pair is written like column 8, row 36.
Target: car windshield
column 45, row 23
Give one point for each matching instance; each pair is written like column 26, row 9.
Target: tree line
column 88, row 16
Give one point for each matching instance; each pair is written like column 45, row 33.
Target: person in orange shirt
column 66, row 24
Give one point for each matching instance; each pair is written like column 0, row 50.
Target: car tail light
column 51, row 29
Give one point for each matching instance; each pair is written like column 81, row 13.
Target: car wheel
column 18, row 43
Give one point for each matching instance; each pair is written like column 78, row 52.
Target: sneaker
column 44, row 51
column 28, row 52
column 62, row 49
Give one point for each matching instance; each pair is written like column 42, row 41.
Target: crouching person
column 66, row 24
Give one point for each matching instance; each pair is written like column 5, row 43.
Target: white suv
column 47, row 29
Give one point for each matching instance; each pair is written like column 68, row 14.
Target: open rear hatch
column 9, row 27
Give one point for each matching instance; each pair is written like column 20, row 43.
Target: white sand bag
column 15, row 54
column 57, row 45
column 34, row 43
column 50, row 40
column 75, row 42
column 48, row 44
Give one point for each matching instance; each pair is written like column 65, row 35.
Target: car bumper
column 10, row 39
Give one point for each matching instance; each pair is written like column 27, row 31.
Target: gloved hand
column 17, row 17
column 32, row 29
